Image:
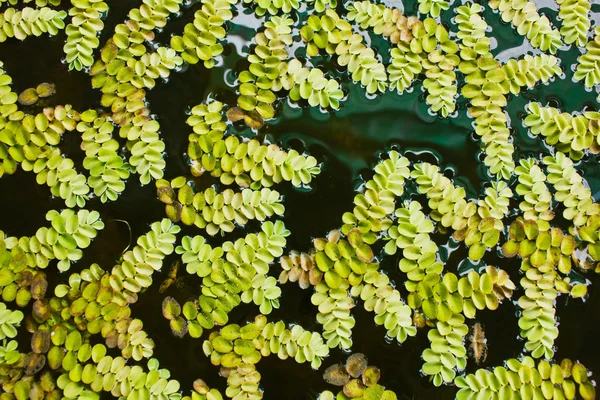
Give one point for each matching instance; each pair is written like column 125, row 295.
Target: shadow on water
column 348, row 143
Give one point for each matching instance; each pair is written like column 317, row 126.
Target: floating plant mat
column 299, row 200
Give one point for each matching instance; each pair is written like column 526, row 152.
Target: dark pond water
column 348, row 142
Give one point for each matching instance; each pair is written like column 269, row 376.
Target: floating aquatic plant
column 108, row 170
column 215, row 211
column 267, row 66
column 263, row 292
column 356, row 377
column 343, row 264
column 433, row 7
column 526, row 20
column 69, row 233
column 245, row 163
column 476, row 224
column 82, row 32
column 313, row 86
column 545, row 252
column 334, row 313
column 344, row 267
column 359, row 380
column 588, row 67
column 544, row 379
column 571, row 134
column 124, row 71
column 98, row 301
column 575, row 21
column 9, row 321
column 233, row 345
column 30, row 96
column 105, row 373
column 447, row 353
column 38, row 3
column 380, row 297
column 372, row 208
column 230, row 271
column 339, row 264
column 30, row 140
column 537, row 199
column 391, row 23
column 570, row 189
column 487, row 87
column 321, row 5
column 238, row 349
column 200, row 40
column 471, row 32
column 30, row 21
column 301, row 268
column 9, row 353
column 274, row 7
column 412, row 236
column 334, row 35
column 19, row 282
